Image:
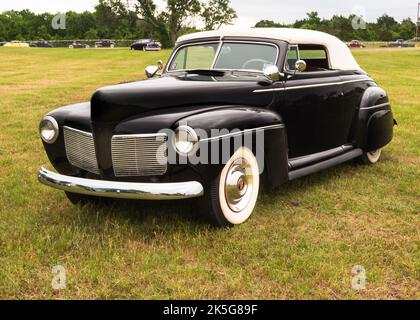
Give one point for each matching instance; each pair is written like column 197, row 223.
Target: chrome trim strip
column 377, row 106
column 238, row 133
column 310, row 86
column 122, row 190
column 143, row 135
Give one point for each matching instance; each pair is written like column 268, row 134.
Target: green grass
column 301, row 242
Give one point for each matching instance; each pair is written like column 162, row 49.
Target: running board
column 325, row 164
column 305, row 161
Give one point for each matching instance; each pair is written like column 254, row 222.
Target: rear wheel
column 233, row 194
column 371, row 157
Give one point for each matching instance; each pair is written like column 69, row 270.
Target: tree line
column 385, row 28
column 120, row 19
column 135, row 19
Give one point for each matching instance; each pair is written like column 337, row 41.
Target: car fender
column 375, row 122
column 231, row 121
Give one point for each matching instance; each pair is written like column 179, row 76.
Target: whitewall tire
column 371, row 157
column 234, row 193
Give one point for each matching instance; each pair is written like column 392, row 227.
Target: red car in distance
column 355, row 44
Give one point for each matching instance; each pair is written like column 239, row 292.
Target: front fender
column 231, row 121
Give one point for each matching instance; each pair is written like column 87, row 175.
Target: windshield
column 230, row 56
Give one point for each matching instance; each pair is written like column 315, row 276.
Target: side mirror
column 151, row 71
column 272, row 73
column 300, row 65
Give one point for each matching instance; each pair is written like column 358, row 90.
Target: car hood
column 117, row 102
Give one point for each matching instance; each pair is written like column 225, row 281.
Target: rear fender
column 375, row 121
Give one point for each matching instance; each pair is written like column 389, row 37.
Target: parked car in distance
column 355, row 44
column 140, row 44
column 41, row 44
column 16, row 44
column 153, row 46
column 105, row 44
column 79, row 45
column 400, row 43
column 2, row 43
column 230, row 111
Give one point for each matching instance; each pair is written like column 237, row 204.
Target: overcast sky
column 251, row 11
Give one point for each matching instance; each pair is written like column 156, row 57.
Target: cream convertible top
column 339, row 54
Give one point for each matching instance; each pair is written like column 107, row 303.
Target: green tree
column 171, row 22
column 407, row 29
column 217, row 13
column 269, row 24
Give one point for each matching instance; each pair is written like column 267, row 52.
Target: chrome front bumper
column 122, row 190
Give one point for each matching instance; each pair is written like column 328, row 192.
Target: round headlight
column 185, row 139
column 48, row 129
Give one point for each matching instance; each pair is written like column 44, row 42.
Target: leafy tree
column 217, row 13
column 171, row 22
column 269, row 24
column 407, row 29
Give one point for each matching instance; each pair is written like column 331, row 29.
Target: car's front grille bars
column 80, row 149
column 139, row 155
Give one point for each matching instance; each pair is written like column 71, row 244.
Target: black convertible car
column 105, row 44
column 41, row 44
column 230, row 111
column 79, row 45
column 141, row 44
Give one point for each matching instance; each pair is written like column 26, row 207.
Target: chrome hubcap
column 238, row 185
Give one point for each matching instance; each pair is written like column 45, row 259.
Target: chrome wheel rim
column 239, row 185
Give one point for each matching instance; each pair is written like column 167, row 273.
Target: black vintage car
column 78, row 45
column 229, row 112
column 141, row 44
column 41, row 44
column 105, row 44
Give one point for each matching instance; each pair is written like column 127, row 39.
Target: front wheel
column 371, row 157
column 233, row 194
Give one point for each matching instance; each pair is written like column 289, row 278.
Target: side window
column 292, row 57
column 315, row 56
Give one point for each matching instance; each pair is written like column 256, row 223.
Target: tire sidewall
column 221, row 210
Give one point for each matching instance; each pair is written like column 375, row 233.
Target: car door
column 311, row 104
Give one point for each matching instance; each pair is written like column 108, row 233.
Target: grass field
column 302, row 241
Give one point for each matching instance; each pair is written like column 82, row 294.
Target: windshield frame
column 217, row 54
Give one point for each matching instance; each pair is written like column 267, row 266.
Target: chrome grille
column 80, row 149
column 139, row 155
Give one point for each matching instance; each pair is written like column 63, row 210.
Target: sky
column 251, row 11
